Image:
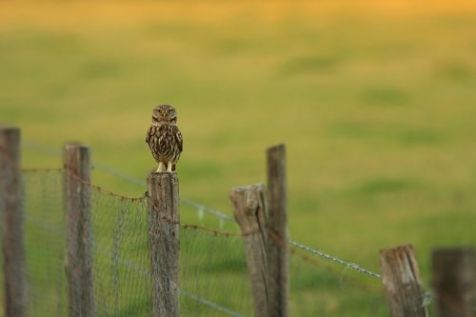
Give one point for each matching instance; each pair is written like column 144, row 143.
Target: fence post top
column 74, row 145
column 7, row 128
column 247, row 196
column 162, row 176
column 277, row 147
column 398, row 248
column 249, row 205
column 247, row 188
column 455, row 251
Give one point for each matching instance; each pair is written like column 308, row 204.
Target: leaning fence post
column 249, row 204
column 164, row 222
column 276, row 224
column 401, row 280
column 454, row 282
column 11, row 207
column 77, row 204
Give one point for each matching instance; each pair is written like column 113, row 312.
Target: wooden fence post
column 454, row 282
column 164, row 223
column 11, row 207
column 249, row 204
column 77, row 204
column 277, row 229
column 401, row 280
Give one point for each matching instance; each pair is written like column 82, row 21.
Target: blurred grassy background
column 375, row 100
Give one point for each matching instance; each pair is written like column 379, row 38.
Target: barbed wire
column 101, row 189
column 223, row 216
column 201, row 209
column 119, row 174
column 346, row 264
column 316, row 252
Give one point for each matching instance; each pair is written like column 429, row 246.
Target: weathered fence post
column 454, row 282
column 77, row 204
column 11, row 207
column 401, row 280
column 249, row 204
column 164, row 223
column 277, row 229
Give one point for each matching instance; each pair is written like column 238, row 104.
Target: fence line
column 108, row 169
column 221, row 215
column 425, row 298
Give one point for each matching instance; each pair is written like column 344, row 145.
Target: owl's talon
column 160, row 168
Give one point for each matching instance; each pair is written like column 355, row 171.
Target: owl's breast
column 163, row 143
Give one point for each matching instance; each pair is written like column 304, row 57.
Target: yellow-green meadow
column 376, row 104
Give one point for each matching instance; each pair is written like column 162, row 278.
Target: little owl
column 164, row 138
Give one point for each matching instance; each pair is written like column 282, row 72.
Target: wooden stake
column 164, row 222
column 401, row 280
column 277, row 228
column 454, row 283
column 77, row 204
column 12, row 210
column 249, row 204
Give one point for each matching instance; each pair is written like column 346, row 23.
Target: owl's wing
column 149, row 134
column 179, row 139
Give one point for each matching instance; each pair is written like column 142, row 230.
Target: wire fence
column 223, row 217
column 213, row 272
column 202, row 209
column 121, row 263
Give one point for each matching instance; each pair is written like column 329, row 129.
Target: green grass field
column 375, row 104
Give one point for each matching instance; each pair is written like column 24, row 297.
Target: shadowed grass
column 310, row 65
column 396, row 134
column 384, row 185
column 384, row 97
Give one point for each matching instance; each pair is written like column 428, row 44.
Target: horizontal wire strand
column 350, row 265
column 221, row 215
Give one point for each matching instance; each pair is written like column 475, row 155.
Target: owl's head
column 164, row 114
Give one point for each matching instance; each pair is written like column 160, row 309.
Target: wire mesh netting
column 212, row 268
column 44, row 244
column 213, row 273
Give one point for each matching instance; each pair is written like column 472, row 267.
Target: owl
column 164, row 138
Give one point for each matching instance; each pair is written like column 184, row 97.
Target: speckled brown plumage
column 164, row 138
